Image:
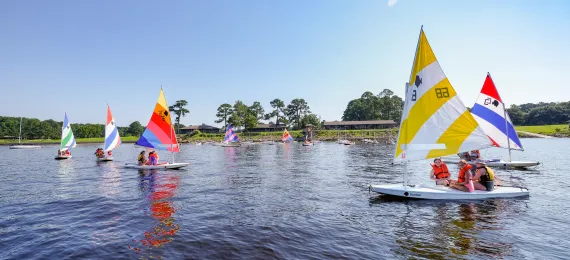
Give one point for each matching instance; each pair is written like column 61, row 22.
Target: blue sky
column 76, row 56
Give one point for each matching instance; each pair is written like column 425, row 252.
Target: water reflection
column 158, row 188
column 441, row 230
column 110, row 179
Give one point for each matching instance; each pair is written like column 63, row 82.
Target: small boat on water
column 20, row 145
column 491, row 114
column 231, row 139
column 67, row 140
column 112, row 138
column 436, row 123
column 286, row 137
column 159, row 135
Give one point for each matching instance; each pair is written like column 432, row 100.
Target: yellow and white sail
column 435, row 122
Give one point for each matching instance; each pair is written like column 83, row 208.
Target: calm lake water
column 271, row 201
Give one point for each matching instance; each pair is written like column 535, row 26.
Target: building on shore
column 266, row 128
column 358, row 125
column 202, row 128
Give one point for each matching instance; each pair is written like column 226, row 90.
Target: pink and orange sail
column 159, row 133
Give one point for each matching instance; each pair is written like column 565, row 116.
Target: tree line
column 541, row 113
column 296, row 114
column 33, row 128
column 384, row 106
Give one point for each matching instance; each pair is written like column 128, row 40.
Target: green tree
column 257, row 110
column 224, row 112
column 278, row 112
column 179, row 109
column 135, row 129
column 311, row 119
column 297, row 109
column 239, row 114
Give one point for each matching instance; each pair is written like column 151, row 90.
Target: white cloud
column 392, row 2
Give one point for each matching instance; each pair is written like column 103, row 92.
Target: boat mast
column 20, row 135
column 407, row 86
column 506, row 121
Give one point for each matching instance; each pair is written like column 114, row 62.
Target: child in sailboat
column 142, row 159
column 67, row 152
column 484, row 178
column 464, row 182
column 152, row 158
column 439, row 173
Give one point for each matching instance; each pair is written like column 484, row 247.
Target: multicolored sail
column 435, row 122
column 159, row 133
column 230, row 136
column 490, row 113
column 286, row 136
column 67, row 138
column 112, row 138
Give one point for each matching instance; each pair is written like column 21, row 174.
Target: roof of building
column 200, row 127
column 268, row 126
column 369, row 122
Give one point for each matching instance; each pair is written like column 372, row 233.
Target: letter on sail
column 434, row 118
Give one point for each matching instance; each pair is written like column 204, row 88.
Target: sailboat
column 286, row 137
column 436, row 123
column 159, row 135
column 230, row 138
column 67, row 140
column 112, row 138
column 491, row 114
column 20, row 145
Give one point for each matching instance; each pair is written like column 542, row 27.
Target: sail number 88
column 442, row 92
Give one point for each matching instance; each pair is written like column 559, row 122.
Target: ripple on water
column 271, row 202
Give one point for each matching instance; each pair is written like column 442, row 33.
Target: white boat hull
column 62, row 157
column 22, row 146
column 105, row 159
column 498, row 163
column 230, row 145
column 155, row 167
column 446, row 193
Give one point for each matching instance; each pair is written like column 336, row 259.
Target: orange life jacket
column 440, row 172
column 462, row 171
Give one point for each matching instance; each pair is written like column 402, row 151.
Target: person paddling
column 439, row 172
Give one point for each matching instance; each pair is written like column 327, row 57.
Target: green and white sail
column 67, row 138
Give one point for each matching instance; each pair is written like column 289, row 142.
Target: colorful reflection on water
column 158, row 188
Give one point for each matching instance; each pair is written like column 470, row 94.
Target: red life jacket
column 440, row 172
column 462, row 171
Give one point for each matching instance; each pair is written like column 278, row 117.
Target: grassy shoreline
column 126, row 139
column 321, row 135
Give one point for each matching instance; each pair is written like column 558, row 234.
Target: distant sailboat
column 286, row 137
column 67, row 140
column 159, row 135
column 20, row 145
column 112, row 138
column 231, row 139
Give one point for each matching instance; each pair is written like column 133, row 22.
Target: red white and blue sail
column 230, row 136
column 112, row 138
column 286, row 136
column 159, row 133
column 490, row 113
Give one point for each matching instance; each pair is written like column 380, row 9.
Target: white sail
column 435, row 122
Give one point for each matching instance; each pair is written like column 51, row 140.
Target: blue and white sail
column 67, row 138
column 112, row 138
column 492, row 116
column 230, row 136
